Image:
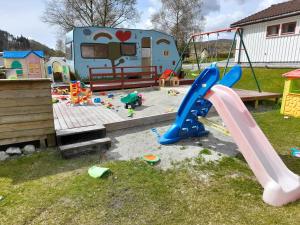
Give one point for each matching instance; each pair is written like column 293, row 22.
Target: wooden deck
column 247, row 95
column 70, row 120
column 82, row 118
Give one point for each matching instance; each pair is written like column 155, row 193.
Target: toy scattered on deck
column 133, row 99
column 80, row 94
column 295, row 152
column 130, row 112
column 107, row 104
column 97, row 100
column 111, row 95
column 54, row 100
column 173, row 92
column 60, row 91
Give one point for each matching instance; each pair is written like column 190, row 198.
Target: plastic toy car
column 133, row 99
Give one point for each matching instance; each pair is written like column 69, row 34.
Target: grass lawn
column 45, row 189
column 269, row 79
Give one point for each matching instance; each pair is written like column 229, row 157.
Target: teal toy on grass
column 96, row 171
column 295, row 152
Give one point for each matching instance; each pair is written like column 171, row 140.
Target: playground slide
column 193, row 105
column 281, row 186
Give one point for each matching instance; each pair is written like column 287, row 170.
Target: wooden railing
column 122, row 77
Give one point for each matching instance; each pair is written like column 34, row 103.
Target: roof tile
column 280, row 9
column 21, row 54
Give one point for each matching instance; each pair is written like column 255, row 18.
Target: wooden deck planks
column 80, row 117
column 60, row 118
column 248, row 95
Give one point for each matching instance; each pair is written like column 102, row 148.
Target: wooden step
column 85, row 147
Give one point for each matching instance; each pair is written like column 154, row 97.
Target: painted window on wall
column 17, row 65
column 65, row 70
column 34, row 69
column 295, row 87
column 94, row 51
column 69, row 53
column 49, row 70
column 288, row 28
column 273, row 30
column 128, row 49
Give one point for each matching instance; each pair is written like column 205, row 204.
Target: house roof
column 21, row 54
column 277, row 11
column 293, row 74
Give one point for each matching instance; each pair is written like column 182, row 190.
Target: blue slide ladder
column 194, row 105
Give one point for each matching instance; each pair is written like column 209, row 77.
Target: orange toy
column 80, row 95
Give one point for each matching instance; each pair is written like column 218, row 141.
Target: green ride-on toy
column 133, row 99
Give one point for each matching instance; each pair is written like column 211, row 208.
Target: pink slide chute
column 281, row 185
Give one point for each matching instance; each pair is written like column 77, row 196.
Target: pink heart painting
column 123, row 35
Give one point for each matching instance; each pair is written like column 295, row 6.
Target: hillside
column 10, row 42
column 221, row 45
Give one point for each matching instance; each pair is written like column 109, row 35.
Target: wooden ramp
column 80, row 129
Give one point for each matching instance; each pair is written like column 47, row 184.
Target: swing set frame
column 242, row 47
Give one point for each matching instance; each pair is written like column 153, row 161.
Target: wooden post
column 51, row 140
column 91, row 79
column 256, row 103
column 155, row 75
column 43, row 143
column 122, row 77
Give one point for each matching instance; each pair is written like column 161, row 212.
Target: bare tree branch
column 68, row 14
column 179, row 18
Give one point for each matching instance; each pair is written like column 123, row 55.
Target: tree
column 60, row 45
column 68, row 14
column 179, row 18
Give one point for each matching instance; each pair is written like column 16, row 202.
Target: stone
column 3, row 156
column 29, row 149
column 14, row 151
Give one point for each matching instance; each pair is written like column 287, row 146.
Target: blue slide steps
column 194, row 105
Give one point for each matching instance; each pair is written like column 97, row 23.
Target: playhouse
column 24, row 64
column 57, row 69
column 291, row 94
column 117, row 51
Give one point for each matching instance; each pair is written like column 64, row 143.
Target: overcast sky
column 23, row 16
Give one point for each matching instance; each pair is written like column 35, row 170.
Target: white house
column 272, row 35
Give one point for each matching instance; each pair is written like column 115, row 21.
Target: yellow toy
column 80, row 95
column 291, row 95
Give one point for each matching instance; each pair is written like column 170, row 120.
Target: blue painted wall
column 159, row 57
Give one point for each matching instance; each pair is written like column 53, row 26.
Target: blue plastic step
column 194, row 105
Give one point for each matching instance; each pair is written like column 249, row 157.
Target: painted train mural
column 90, row 47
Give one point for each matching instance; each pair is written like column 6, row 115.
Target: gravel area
column 136, row 142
